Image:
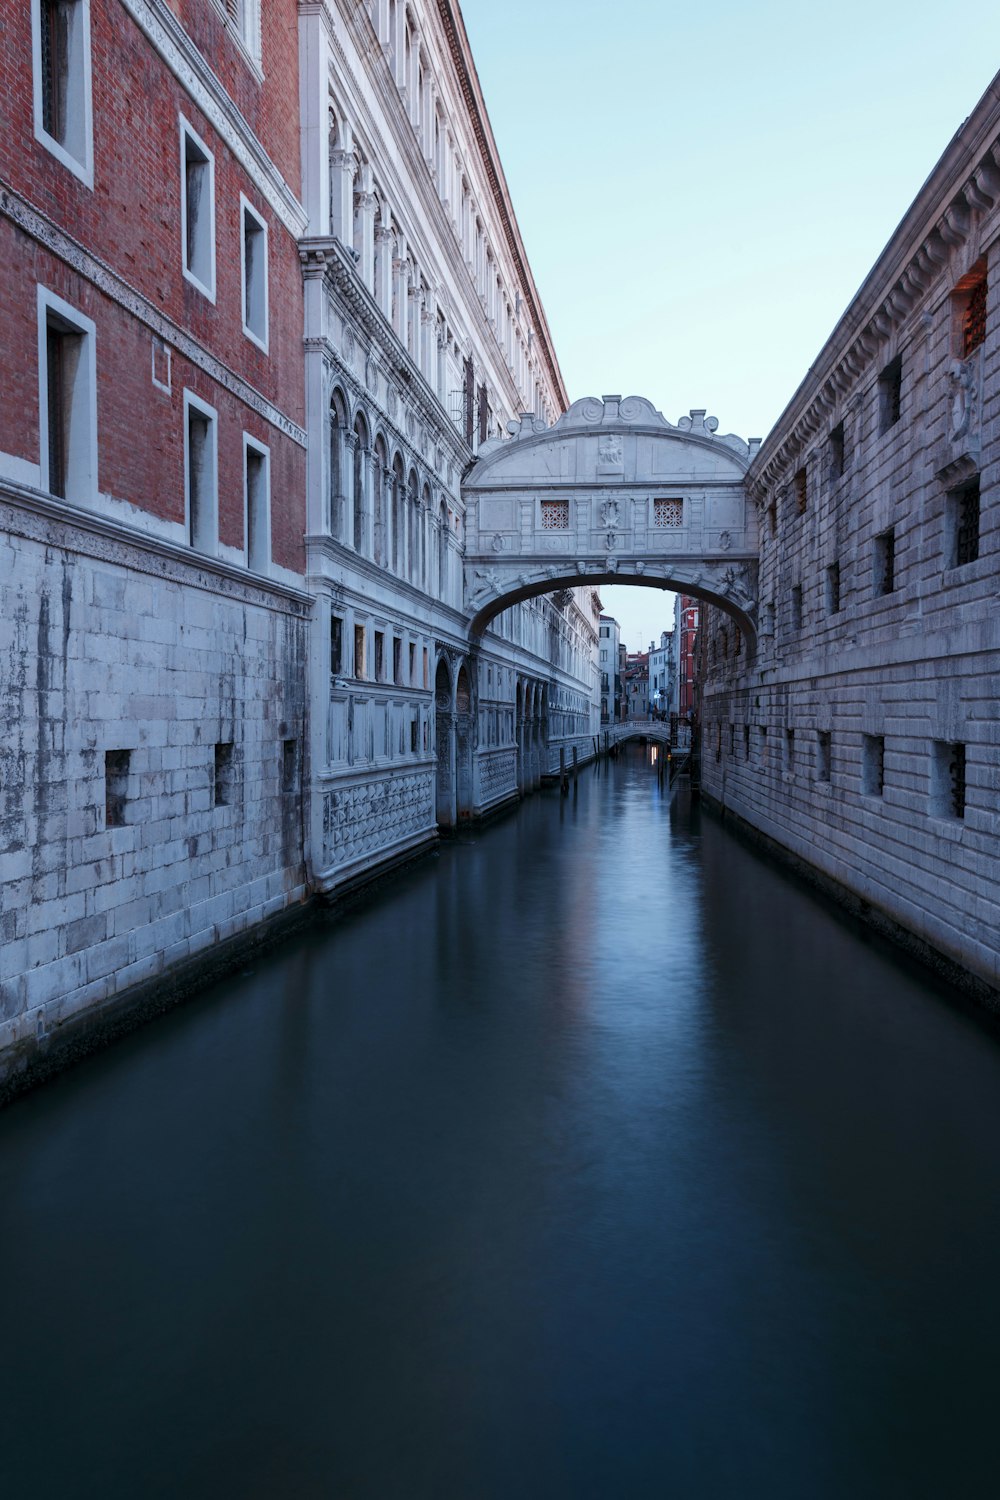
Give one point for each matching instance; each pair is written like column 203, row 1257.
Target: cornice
column 41, row 229
column 40, row 517
column 941, row 220
column 166, row 34
column 468, row 81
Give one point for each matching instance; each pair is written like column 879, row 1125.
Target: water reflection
column 589, row 1158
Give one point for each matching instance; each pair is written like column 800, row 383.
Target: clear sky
column 701, row 190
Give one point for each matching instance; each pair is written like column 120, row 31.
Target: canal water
column 591, row 1157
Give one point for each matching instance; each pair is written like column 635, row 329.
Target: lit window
column 197, row 211
column 61, row 69
column 254, row 269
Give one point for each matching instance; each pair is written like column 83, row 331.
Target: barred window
column 668, row 514
column 974, row 319
column 555, row 515
column 801, row 490
column 963, row 504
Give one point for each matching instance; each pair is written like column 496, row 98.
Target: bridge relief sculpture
column 611, row 492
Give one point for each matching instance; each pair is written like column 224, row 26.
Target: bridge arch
column 611, row 493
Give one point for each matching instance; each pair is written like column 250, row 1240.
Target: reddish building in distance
column 686, row 634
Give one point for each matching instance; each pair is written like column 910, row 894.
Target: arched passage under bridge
column 611, row 493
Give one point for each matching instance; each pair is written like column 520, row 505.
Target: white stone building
column 425, row 337
column 662, row 670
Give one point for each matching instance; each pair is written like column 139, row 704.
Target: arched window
column 398, row 487
column 361, row 456
column 411, row 514
column 338, row 465
column 380, row 477
column 442, row 550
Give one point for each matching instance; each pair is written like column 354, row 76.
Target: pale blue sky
column 701, row 190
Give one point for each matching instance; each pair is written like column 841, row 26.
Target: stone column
column 415, row 299
column 365, row 204
column 343, row 165
column 384, row 269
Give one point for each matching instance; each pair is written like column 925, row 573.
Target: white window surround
column 81, row 456
column 206, row 285
column 208, row 541
column 78, row 154
column 261, row 528
column 245, row 28
column 247, row 210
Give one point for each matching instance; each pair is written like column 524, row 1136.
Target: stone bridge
column 612, row 493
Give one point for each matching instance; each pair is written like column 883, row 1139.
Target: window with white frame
column 257, row 495
column 201, row 474
column 60, row 31
column 197, row 211
column 254, row 273
column 243, row 17
column 67, row 400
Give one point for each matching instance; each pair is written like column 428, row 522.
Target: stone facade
column 864, row 738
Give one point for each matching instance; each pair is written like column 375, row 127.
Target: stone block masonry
column 122, row 668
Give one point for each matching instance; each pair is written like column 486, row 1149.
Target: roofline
column 468, row 79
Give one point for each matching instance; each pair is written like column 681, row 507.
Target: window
column 762, row 733
column 890, row 390
column 244, row 19
column 197, row 211
column 359, row 652
column 823, row 754
column 797, row 606
column 789, row 750
column 772, row 517
column 67, row 400
column 257, row 503
column 884, row 563
column 970, row 309
column 61, row 81
column 412, row 678
column 413, row 735
column 397, row 660
column 833, row 589
column 253, row 265
column 947, row 779
column 336, row 645
column 838, row 455
column 222, row 775
column 289, row 760
column 555, row 515
column 746, row 742
column 872, row 765
column 200, row 474
column 668, row 514
column 116, row 769
column 732, row 739
column 801, row 485
column 379, row 656
column 962, row 520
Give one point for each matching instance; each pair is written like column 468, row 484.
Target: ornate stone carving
column 360, row 820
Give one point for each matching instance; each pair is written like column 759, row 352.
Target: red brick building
column 152, row 491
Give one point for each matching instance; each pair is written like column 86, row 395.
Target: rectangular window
column 963, row 523
column 257, row 504
column 801, row 485
column 201, row 474
column 668, row 514
column 837, row 452
column 244, row 17
column 762, row 740
column 360, row 669
column 67, row 400
column 970, row 304
column 61, row 80
column 412, row 679
column 379, row 656
column 948, row 779
column 872, row 764
column 197, row 211
column 413, row 735
column 116, row 769
column 823, row 738
column 789, row 750
column 289, row 759
column 254, row 271
column 222, row 776
column 884, row 563
column 890, row 394
column 397, row 660
column 746, row 742
column 555, row 515
column 833, row 589
column 797, row 606
column 772, row 517
column 336, row 645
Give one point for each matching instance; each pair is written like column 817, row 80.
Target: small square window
column 884, row 562
column 947, row 779
column 823, row 739
column 890, row 393
column 222, row 778
column 963, row 523
column 833, row 589
column 872, row 765
column 797, row 606
column 116, row 773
